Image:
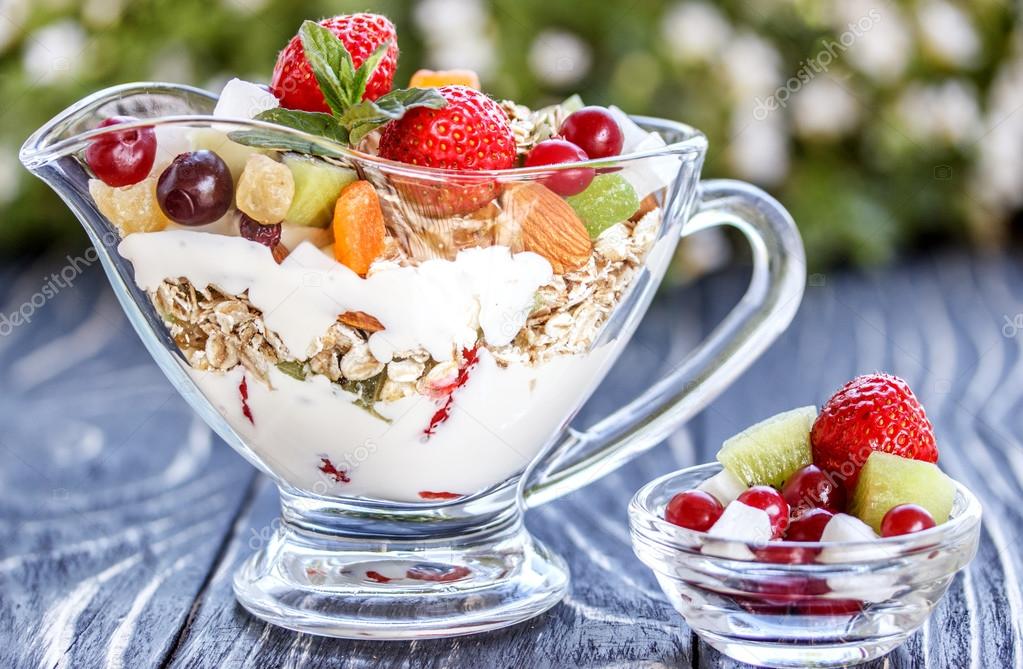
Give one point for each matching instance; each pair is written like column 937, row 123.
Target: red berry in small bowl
column 808, row 525
column 595, row 131
column 768, row 499
column 122, row 158
column 812, row 487
column 556, row 152
column 906, row 519
column 693, row 510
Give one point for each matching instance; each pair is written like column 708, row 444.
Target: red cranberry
column 770, row 500
column 809, row 525
column 694, row 510
column 595, row 131
column 122, row 158
column 267, row 235
column 812, row 487
column 906, row 519
column 558, row 151
column 829, row 607
column 778, row 552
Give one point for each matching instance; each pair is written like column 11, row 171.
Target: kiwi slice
column 317, row 186
column 888, row 480
column 772, row 450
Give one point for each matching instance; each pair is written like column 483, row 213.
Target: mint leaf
column 292, row 368
column 365, row 71
column 366, row 116
column 314, row 123
column 331, row 63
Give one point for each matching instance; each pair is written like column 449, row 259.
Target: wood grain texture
column 123, row 518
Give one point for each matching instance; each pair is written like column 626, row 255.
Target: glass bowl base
column 368, row 590
column 790, row 655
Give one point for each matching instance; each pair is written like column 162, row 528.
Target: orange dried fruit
column 358, row 227
column 438, row 78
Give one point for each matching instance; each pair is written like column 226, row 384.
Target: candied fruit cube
column 609, row 199
column 265, row 190
column 130, row 208
column 438, row 78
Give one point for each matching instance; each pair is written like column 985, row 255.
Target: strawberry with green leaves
column 355, row 99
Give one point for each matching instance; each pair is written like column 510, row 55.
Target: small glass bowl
column 840, row 603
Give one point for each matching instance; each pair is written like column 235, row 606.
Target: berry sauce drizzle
column 243, row 390
column 378, row 577
column 430, row 494
column 471, row 356
column 328, row 468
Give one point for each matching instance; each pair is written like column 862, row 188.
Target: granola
column 217, row 331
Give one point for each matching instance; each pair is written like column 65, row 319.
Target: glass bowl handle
column 763, row 313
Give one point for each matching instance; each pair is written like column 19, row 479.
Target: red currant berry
column 770, row 500
column 694, row 510
column 809, row 525
column 267, row 235
column 906, row 519
column 811, row 487
column 122, row 158
column 778, row 552
column 556, row 152
column 595, row 131
column 818, row 606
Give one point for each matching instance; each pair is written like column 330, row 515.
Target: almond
column 648, row 204
column 360, row 320
column 548, row 226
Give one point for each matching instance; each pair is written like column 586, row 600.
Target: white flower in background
column 880, row 41
column 752, row 66
column 998, row 171
column 12, row 20
column 172, row 64
column 245, row 6
column 54, row 53
column 456, row 35
column 101, row 13
column 947, row 112
column 10, row 174
column 758, row 149
column 824, row 107
column 948, row 33
column 695, row 31
column 559, row 58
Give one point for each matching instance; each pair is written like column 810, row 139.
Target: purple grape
column 196, row 188
column 267, row 235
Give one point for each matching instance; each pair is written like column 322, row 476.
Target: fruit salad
column 367, row 326
column 860, row 470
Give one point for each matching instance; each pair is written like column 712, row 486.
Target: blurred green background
column 884, row 127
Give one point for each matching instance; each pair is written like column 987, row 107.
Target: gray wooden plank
column 116, row 498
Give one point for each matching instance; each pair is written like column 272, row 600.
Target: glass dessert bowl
column 402, row 347
column 818, row 539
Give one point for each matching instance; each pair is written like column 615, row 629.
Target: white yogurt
column 500, row 419
column 437, row 305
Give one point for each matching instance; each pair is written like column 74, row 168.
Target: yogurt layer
column 500, row 419
column 437, row 305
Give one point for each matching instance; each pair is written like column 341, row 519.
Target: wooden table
column 122, row 516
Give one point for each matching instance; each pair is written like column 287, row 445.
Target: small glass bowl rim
column 651, row 525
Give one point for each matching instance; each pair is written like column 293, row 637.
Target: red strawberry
column 294, row 83
column 873, row 412
column 470, row 133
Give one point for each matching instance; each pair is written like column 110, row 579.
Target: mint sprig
column 343, row 86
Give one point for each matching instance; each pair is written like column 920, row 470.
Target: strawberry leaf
column 331, row 63
column 365, row 71
column 313, row 123
column 368, row 115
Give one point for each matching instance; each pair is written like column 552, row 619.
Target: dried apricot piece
column 358, row 227
column 438, row 78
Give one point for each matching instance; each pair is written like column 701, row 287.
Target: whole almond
column 360, row 320
column 548, row 226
